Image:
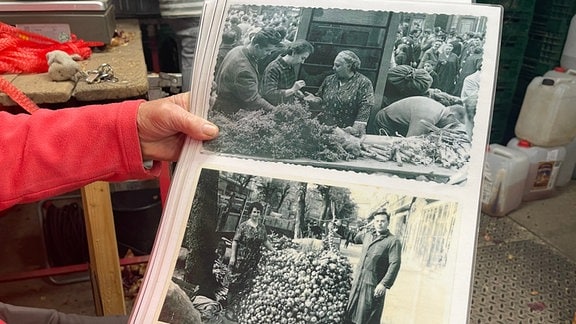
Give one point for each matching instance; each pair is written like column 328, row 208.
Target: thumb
column 194, row 126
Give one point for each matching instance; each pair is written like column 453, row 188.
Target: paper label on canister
column 552, row 155
column 546, row 175
column 487, row 184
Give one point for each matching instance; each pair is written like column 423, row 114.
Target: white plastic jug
column 544, row 165
column 504, row 180
column 567, row 168
column 548, row 113
column 568, row 58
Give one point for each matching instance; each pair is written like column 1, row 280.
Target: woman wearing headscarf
column 447, row 69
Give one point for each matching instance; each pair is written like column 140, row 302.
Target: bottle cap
column 524, row 143
column 560, row 69
column 548, row 82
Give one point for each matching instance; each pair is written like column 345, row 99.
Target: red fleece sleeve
column 56, row 151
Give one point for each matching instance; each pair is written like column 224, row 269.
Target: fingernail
column 209, row 129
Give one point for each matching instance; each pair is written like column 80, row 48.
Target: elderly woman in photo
column 447, row 68
column 345, row 97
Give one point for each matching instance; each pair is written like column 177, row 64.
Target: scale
column 88, row 20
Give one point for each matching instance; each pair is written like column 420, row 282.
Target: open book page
column 345, row 184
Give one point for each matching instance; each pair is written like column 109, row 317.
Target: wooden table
column 129, row 67
column 126, row 60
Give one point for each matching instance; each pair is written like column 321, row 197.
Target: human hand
column 298, row 85
column 379, row 291
column 312, row 100
column 357, row 129
column 350, row 143
column 471, row 101
column 163, row 125
column 351, row 130
column 308, row 96
column 231, row 263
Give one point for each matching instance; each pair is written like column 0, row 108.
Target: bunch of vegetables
column 293, row 286
column 421, row 150
column 282, row 242
column 290, row 132
column 287, row 132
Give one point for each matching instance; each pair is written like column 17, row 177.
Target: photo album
column 345, row 184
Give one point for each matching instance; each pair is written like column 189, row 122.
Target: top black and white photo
column 370, row 91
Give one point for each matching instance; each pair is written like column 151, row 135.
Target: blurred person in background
column 183, row 17
column 448, row 67
column 469, row 95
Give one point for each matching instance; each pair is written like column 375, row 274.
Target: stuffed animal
column 62, row 66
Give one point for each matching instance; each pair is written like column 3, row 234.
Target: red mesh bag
column 25, row 52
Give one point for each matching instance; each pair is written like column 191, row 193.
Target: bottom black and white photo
column 269, row 250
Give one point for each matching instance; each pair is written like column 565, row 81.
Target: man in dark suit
column 375, row 273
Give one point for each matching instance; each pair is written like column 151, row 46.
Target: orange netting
column 25, row 52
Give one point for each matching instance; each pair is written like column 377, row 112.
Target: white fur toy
column 63, row 67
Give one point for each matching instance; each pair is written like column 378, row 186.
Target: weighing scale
column 89, row 20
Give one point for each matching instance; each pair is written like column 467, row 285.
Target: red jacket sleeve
column 56, row 151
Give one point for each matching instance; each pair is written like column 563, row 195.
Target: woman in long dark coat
column 447, row 68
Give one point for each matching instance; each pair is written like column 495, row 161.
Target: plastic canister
column 568, row 58
column 567, row 168
column 504, row 179
column 547, row 116
column 544, row 165
column 561, row 72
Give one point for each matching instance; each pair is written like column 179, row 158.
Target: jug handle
column 503, row 152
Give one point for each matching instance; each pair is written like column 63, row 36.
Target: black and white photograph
column 370, row 91
column 267, row 250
